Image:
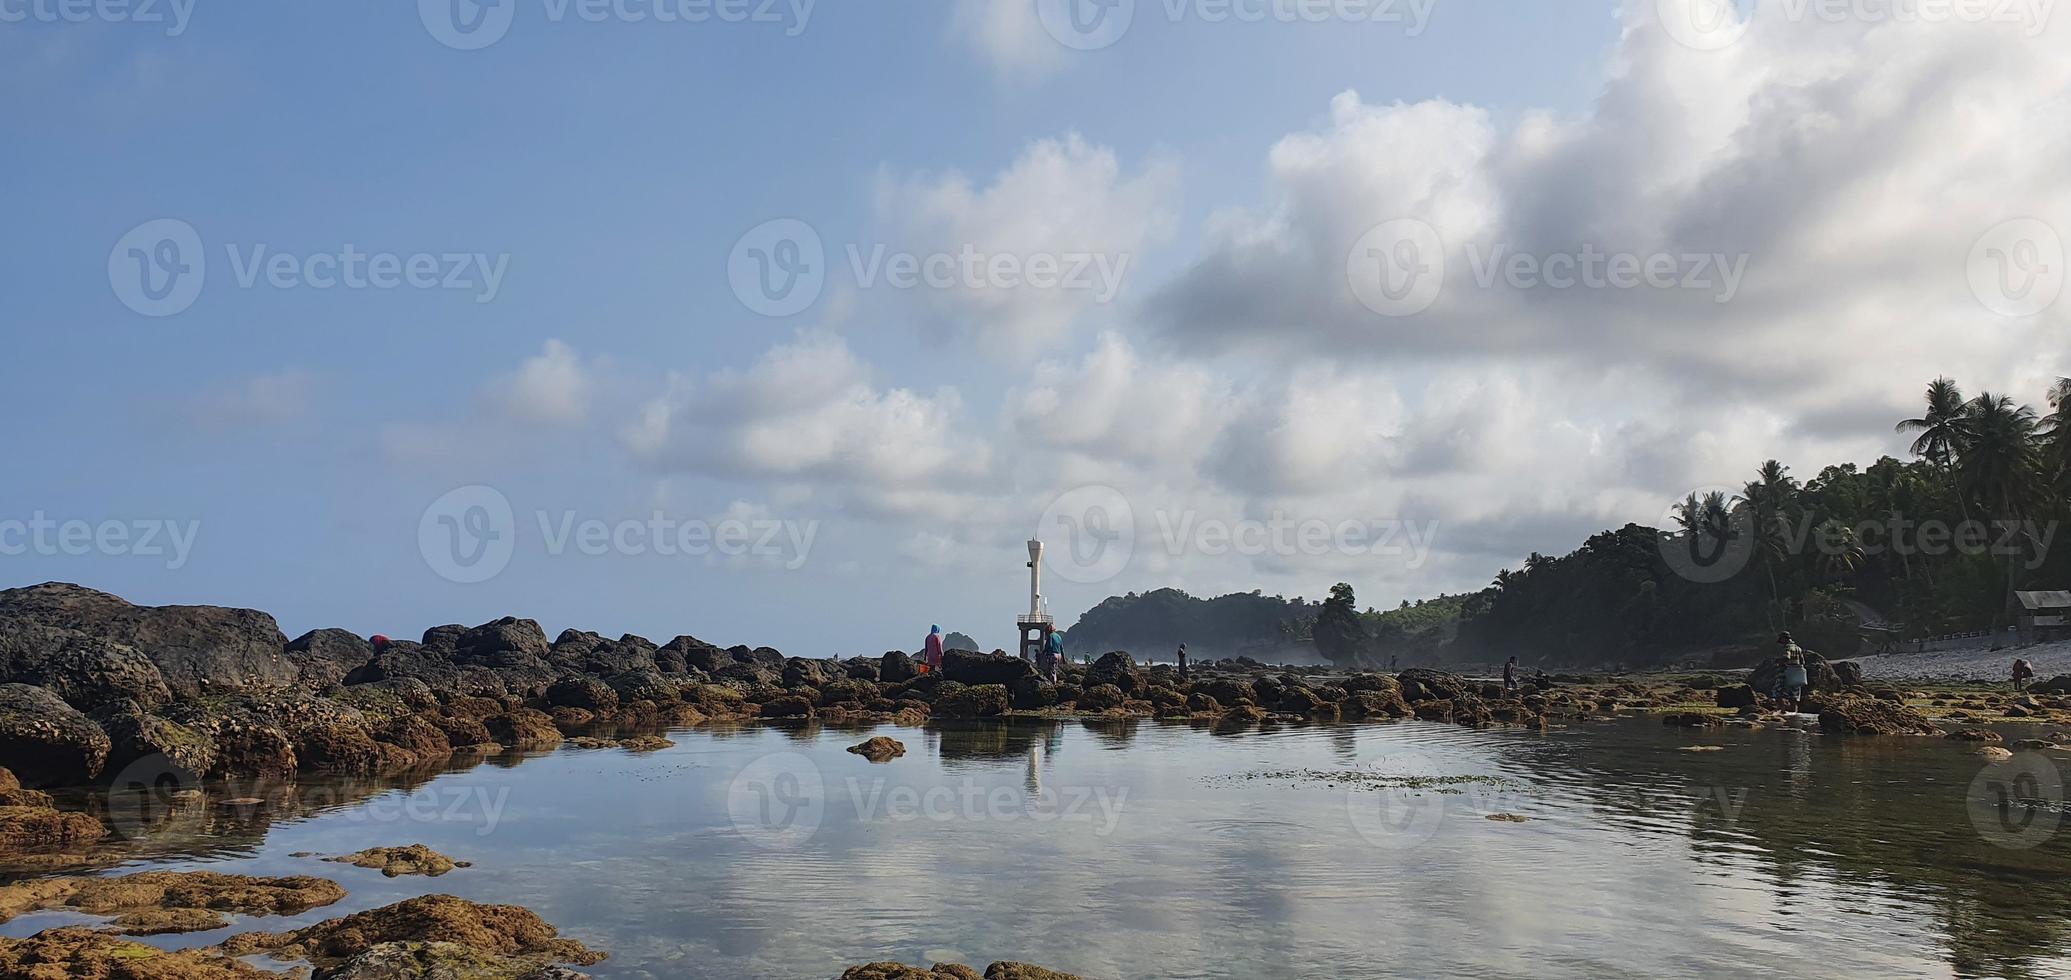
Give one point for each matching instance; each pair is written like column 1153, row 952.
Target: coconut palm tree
column 2055, row 431
column 1765, row 508
column 1941, row 428
column 1997, row 468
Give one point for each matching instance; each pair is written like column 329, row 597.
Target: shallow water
column 1167, row 850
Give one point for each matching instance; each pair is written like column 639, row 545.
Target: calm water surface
column 1149, row 849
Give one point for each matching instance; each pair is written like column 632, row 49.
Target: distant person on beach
column 931, row 651
column 1792, row 680
column 2022, row 674
column 1510, row 674
column 1053, row 654
column 1182, row 661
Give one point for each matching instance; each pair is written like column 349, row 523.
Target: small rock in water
column 1702, row 748
column 2036, row 745
column 880, row 749
column 1507, row 818
column 392, row 862
column 1993, row 753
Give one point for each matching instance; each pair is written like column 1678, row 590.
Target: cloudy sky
column 790, row 322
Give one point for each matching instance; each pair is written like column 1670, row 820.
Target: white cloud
column 1008, row 34
column 1065, row 202
column 271, row 398
column 552, row 388
column 808, row 411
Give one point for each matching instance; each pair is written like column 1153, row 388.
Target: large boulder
column 896, row 668
column 47, row 742
column 687, row 653
column 325, row 658
column 1872, row 716
column 1424, row 684
column 808, row 672
column 197, row 649
column 1228, row 690
column 587, row 693
column 1114, row 668
column 86, row 671
column 966, row 667
column 434, row 665
column 976, row 701
column 507, row 642
column 1738, row 696
column 136, row 737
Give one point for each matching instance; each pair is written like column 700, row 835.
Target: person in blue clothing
column 1052, row 655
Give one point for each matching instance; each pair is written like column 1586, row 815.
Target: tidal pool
column 1167, row 850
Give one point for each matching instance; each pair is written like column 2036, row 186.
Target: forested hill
column 1926, row 546
column 1154, row 624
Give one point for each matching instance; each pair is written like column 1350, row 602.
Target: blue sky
column 614, row 166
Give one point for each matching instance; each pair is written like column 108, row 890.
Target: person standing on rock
column 1052, row 656
column 931, row 651
column 1182, row 661
column 1793, row 679
column 1510, row 674
column 2022, row 674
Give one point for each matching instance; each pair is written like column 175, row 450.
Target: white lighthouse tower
column 1036, row 626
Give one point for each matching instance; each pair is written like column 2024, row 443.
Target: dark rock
column 47, row 742
column 974, row 701
column 1424, row 684
column 135, row 736
column 879, row 749
column 896, row 668
column 966, row 667
column 1870, row 716
column 197, row 649
column 686, row 653
column 587, row 693
column 1101, row 697
column 324, row 658
column 1117, row 669
column 804, row 672
column 1737, row 696
column 86, row 671
column 788, row 706
column 1229, row 690
column 862, row 668
column 1691, row 719
column 646, row 685
column 524, row 728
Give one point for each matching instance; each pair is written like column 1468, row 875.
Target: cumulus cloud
column 809, row 410
column 270, row 398
column 1849, row 165
column 552, row 388
column 1056, row 235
